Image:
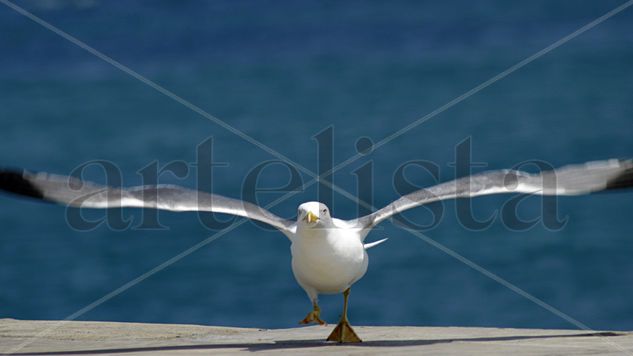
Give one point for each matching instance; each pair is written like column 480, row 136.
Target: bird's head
column 313, row 214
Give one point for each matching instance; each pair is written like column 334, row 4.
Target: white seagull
column 328, row 254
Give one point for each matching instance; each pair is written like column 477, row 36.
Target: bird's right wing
column 568, row 180
column 78, row 193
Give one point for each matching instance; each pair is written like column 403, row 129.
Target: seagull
column 328, row 254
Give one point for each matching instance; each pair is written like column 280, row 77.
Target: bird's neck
column 310, row 231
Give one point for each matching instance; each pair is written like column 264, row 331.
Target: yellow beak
column 311, row 218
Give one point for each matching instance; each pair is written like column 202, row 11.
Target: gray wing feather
column 78, row 193
column 568, row 180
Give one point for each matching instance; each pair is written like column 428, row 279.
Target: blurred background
column 282, row 72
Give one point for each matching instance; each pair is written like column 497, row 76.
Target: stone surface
column 99, row 338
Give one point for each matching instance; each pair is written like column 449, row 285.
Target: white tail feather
column 375, row 243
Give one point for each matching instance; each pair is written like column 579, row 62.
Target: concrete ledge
column 95, row 338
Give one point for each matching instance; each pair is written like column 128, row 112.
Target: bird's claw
column 343, row 333
column 313, row 317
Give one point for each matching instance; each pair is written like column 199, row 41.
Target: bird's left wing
column 78, row 193
column 568, row 180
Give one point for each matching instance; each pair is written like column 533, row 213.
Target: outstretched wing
column 568, row 180
column 78, row 193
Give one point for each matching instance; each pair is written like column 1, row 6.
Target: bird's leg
column 343, row 331
column 314, row 315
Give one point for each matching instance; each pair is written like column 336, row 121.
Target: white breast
column 328, row 260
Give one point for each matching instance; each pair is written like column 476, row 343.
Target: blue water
column 281, row 72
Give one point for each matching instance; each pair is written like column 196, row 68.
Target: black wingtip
column 14, row 181
column 623, row 180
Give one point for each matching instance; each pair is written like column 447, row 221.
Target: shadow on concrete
column 301, row 344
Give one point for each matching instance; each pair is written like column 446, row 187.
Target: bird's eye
column 325, row 210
